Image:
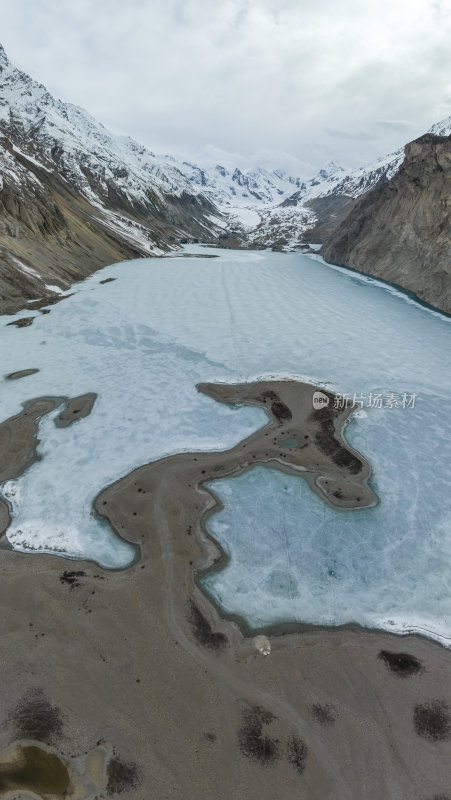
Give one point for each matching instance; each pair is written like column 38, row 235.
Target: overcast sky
column 291, row 83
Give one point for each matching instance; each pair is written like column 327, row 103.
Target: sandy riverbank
column 138, row 670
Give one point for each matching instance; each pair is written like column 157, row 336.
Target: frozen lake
column 144, row 341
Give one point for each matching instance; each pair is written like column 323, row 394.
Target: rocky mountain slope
column 401, row 230
column 73, row 197
column 49, row 235
column 314, row 211
column 310, row 213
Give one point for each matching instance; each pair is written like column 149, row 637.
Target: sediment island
column 172, row 700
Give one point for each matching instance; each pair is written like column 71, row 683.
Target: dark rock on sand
column 432, row 720
column 297, row 752
column 122, row 776
column 118, row 659
column 34, row 717
column 402, row 664
column 326, row 440
column 203, row 630
column 23, row 322
column 254, row 742
column 71, row 577
column 324, row 714
column 280, row 411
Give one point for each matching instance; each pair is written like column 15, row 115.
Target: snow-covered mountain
column 287, row 222
column 74, row 196
column 400, row 230
column 117, row 174
column 442, row 128
column 233, row 187
column 112, row 171
column 320, row 204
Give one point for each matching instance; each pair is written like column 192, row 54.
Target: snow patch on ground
column 247, row 217
column 30, row 158
column 28, row 270
column 51, row 287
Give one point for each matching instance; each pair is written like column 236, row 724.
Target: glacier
column 143, row 341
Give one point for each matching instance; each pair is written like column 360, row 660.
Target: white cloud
column 291, row 79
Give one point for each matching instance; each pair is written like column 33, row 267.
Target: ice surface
column 294, row 557
column 142, row 343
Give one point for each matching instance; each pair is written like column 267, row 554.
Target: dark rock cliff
column 400, row 230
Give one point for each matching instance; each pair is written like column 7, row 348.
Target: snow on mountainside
column 242, row 196
column 259, row 205
column 359, row 181
column 296, row 218
column 117, row 172
column 74, row 196
column 278, row 210
column 232, row 187
column 127, row 182
column 104, row 167
column 442, row 128
column 321, row 203
column 150, row 202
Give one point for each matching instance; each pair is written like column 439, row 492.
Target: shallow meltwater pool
column 33, row 769
column 289, row 443
column 143, row 342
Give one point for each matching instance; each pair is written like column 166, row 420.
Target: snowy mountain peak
column 442, row 128
column 119, row 176
column 3, row 56
column 97, row 163
column 331, row 168
column 222, row 170
column 331, row 172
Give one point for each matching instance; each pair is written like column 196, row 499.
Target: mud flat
column 300, row 440
column 76, row 408
column 23, row 373
column 139, row 670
